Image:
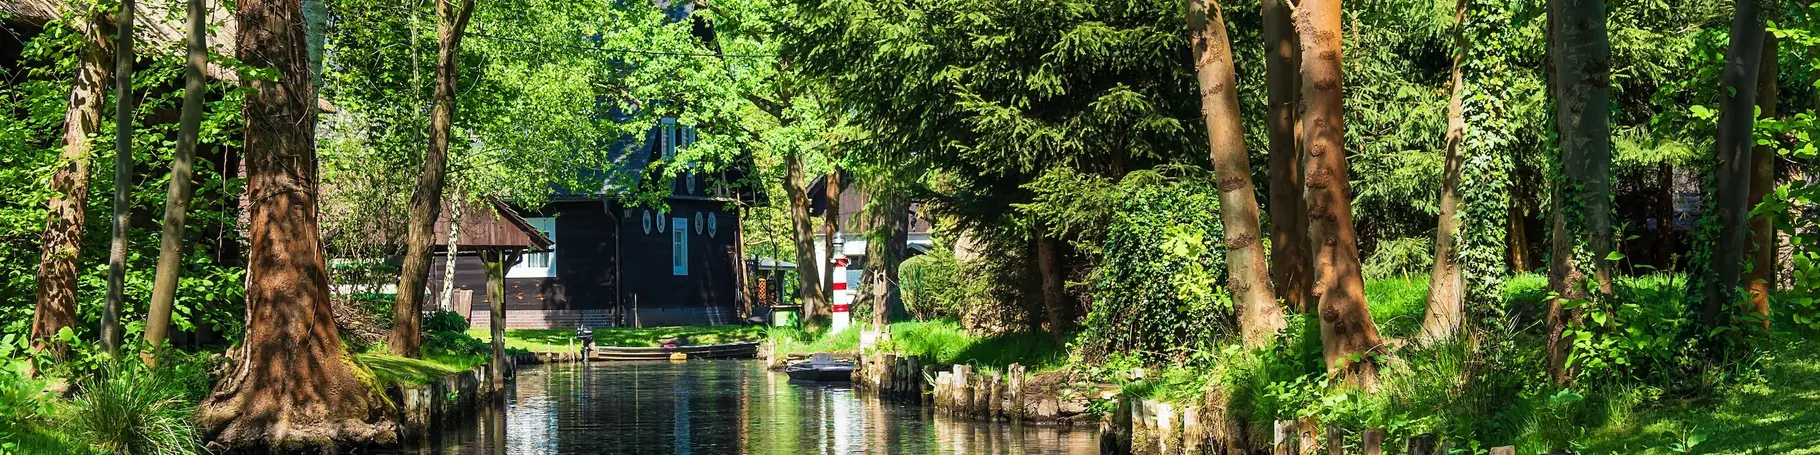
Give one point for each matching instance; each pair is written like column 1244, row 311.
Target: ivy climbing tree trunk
column 885, row 251
column 803, row 233
column 452, row 251
column 62, row 242
column 1254, row 301
column 1580, row 218
column 1763, row 242
column 1289, row 261
column 289, row 383
column 181, row 188
column 1348, row 335
column 1446, row 285
column 123, row 178
column 1737, row 107
column 426, row 199
column 1053, row 285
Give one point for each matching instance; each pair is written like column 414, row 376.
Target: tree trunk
column 62, row 242
column 496, row 262
column 1763, row 177
column 123, row 178
column 1348, row 334
column 803, row 233
column 1289, row 261
column 290, row 384
column 1049, row 271
column 1737, row 103
column 1254, row 301
column 1446, row 285
column 885, row 250
column 1517, row 234
column 742, row 274
column 1665, row 217
column 1580, row 225
column 181, row 189
column 451, row 252
column 426, row 199
column 830, row 226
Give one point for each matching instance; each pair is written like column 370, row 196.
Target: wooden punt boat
column 821, row 368
column 739, row 350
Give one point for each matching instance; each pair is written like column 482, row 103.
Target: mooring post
column 1373, row 442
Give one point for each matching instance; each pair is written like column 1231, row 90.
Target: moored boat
column 821, row 367
column 740, row 350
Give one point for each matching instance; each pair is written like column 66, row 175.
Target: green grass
column 394, row 370
column 561, row 340
column 938, row 342
column 1780, row 415
column 1398, row 304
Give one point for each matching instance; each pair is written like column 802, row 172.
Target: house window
column 538, row 265
column 679, row 246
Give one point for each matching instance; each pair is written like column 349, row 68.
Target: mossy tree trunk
column 1762, row 279
column 1737, row 117
column 803, row 234
column 1254, row 301
column 123, row 178
column 1580, row 219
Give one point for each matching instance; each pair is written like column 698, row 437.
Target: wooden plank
column 1336, row 441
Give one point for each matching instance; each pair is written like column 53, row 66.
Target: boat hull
column 740, row 350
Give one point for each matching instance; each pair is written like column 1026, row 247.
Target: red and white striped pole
column 843, row 298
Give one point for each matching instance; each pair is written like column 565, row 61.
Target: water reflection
column 720, row 407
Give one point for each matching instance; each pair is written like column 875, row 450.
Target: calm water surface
column 721, row 407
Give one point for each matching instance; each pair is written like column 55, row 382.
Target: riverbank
column 563, row 340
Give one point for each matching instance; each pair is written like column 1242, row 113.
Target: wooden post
column 1016, row 388
column 1305, row 431
column 1506, row 450
column 1285, row 441
column 1422, row 444
column 1165, row 427
column 887, row 375
column 1373, row 443
column 496, row 262
column 1194, row 438
column 994, row 407
column 1336, row 441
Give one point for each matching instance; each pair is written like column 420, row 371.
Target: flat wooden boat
column 739, row 350
column 821, row 368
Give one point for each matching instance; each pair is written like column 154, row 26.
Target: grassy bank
column 1780, row 414
column 939, row 341
column 563, row 340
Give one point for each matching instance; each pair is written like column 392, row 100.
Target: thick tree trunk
column 1446, row 285
column 830, row 226
column 290, row 383
column 803, row 233
column 181, row 189
column 1053, row 283
column 1737, row 103
column 426, row 199
column 885, row 251
column 1763, row 177
column 123, row 178
column 1516, row 233
column 1289, row 261
column 1348, row 334
column 1253, row 299
column 62, row 240
column 1580, row 224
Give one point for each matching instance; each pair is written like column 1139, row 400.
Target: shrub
column 1404, row 256
column 445, row 321
column 131, row 409
column 929, row 286
column 1157, row 288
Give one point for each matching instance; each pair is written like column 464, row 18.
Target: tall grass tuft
column 128, row 409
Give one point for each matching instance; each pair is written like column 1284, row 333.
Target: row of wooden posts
column 957, row 390
column 1298, row 437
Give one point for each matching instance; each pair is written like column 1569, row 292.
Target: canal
column 720, row 407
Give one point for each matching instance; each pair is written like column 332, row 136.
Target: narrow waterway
column 721, row 407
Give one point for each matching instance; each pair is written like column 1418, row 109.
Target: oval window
column 661, row 221
column 647, row 221
column 691, row 177
column 713, row 224
column 698, row 223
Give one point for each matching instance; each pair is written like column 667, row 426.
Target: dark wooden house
column 615, row 263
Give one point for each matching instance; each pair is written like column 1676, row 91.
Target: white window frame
column 679, row 246
column 526, row 267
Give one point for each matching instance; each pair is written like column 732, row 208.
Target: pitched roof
column 490, row 225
